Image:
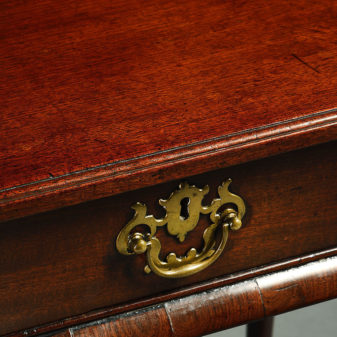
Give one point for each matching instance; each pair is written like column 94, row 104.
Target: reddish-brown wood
column 78, row 188
column 228, row 306
column 146, row 323
column 261, row 328
column 102, row 97
column 65, row 333
column 215, row 310
column 236, row 277
column 65, row 262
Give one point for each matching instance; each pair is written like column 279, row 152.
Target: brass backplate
column 130, row 242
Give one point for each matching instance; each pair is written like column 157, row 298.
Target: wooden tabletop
column 101, row 97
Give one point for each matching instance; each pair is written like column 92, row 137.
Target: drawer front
column 65, row 263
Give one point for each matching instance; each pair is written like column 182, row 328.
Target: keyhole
column 184, row 208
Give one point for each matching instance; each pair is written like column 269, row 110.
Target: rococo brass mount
column 223, row 218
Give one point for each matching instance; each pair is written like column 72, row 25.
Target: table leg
column 263, row 328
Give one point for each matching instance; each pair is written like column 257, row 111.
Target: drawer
column 65, row 263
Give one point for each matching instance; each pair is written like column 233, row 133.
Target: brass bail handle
column 222, row 219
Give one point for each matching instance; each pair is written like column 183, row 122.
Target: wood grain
column 99, row 98
column 225, row 307
column 64, row 263
column 236, row 277
column 147, row 323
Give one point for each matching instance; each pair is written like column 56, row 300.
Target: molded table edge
column 188, row 292
column 225, row 307
column 160, row 167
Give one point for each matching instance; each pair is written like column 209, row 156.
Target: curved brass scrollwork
column 223, row 218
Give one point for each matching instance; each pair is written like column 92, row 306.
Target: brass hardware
column 179, row 224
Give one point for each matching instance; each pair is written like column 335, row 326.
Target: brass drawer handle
column 129, row 242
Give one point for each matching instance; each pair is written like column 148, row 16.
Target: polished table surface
column 111, row 93
column 100, row 99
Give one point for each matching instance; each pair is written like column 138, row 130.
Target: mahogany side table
column 167, row 168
